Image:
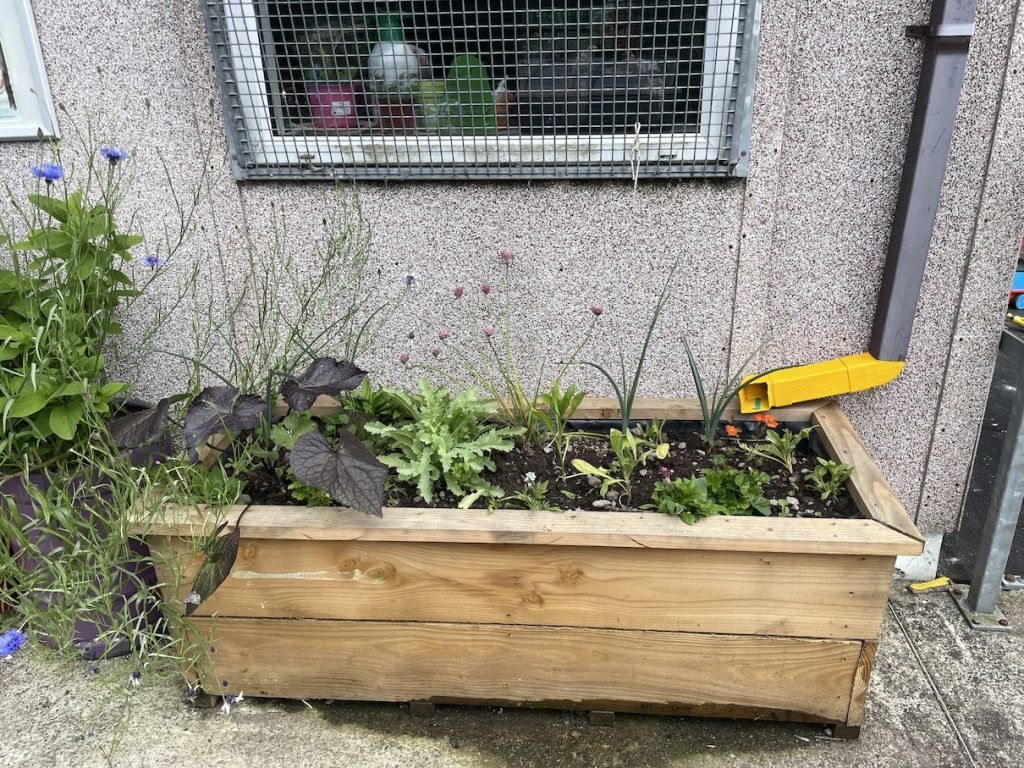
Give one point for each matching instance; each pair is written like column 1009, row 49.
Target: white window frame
column 24, row 57
column 722, row 38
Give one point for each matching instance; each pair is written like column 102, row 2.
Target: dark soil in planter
column 687, row 457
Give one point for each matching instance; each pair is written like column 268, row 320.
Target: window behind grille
column 486, row 88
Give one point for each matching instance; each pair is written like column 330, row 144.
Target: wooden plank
column 596, row 528
column 745, row 593
column 681, row 408
column 867, row 485
column 612, row 670
column 860, row 683
column 684, row 409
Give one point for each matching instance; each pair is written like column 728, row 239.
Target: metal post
column 947, row 38
column 979, row 605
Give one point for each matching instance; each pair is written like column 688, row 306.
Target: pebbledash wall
column 791, row 255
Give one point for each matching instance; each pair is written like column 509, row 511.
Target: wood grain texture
column 613, row 670
column 867, row 485
column 681, row 408
column 671, row 590
column 595, row 528
column 861, row 678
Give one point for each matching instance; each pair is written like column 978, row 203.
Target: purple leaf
column 325, row 376
column 351, row 475
column 216, row 409
column 141, row 427
column 220, row 558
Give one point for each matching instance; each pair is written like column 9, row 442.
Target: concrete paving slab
column 60, row 714
column 979, row 675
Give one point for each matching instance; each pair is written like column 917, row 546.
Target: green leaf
column 51, row 205
column 116, row 276
column 121, row 243
column 71, row 389
column 64, row 418
column 8, row 333
column 112, row 388
column 28, row 403
column 97, row 226
column 8, row 281
column 86, row 266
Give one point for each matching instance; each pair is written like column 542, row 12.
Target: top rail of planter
column 885, row 528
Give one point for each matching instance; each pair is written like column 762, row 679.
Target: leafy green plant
column 685, row 497
column 58, row 306
column 779, row 448
column 533, row 494
column 738, row 490
column 829, row 478
column 625, row 388
column 631, row 452
column 608, row 479
column 446, row 444
column 727, row 491
column 712, row 407
column 558, row 409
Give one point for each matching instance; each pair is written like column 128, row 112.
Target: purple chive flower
column 488, row 330
column 10, row 642
column 48, row 172
column 114, row 154
column 404, row 358
column 442, row 335
column 153, row 261
column 485, row 288
column 597, row 309
column 459, row 291
column 506, row 255
column 229, row 700
column 665, row 473
column 436, row 351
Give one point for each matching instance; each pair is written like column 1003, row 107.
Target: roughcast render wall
column 792, row 256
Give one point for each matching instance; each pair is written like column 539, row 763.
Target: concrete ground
column 941, row 695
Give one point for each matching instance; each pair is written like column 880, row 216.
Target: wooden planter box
column 771, row 618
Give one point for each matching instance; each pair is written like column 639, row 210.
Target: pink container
column 332, row 105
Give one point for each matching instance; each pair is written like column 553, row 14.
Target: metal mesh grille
column 485, row 88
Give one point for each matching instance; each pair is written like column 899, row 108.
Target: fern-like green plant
column 447, row 444
column 780, row 448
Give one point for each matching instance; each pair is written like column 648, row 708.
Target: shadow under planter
column 753, row 617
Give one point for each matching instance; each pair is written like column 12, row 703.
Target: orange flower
column 730, row 430
column 767, row 419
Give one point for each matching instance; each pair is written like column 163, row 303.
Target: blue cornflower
column 153, row 261
column 114, row 154
column 48, row 172
column 230, row 700
column 10, row 641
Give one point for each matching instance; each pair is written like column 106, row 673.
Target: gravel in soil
column 571, row 490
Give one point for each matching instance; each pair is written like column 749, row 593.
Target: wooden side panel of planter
column 564, row 667
column 571, row 528
column 746, row 593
